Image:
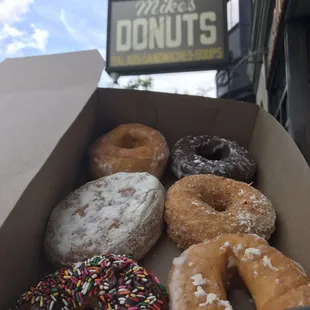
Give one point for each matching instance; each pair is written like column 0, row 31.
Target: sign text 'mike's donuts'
column 157, row 32
column 149, row 36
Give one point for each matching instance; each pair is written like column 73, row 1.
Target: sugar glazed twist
column 102, row 282
column 199, row 277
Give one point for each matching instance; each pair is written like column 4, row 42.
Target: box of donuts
column 123, row 199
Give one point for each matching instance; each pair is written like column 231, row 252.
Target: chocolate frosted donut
column 102, row 282
column 205, row 154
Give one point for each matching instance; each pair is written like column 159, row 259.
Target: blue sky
column 35, row 27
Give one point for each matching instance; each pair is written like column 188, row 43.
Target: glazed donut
column 102, row 282
column 202, row 207
column 205, row 154
column 197, row 279
column 129, row 148
column 122, row 214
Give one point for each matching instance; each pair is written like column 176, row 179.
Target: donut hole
column 215, row 150
column 216, row 202
column 130, row 142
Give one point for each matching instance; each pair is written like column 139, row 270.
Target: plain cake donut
column 129, row 148
column 101, row 282
column 202, row 207
column 203, row 154
column 197, row 279
column 121, row 214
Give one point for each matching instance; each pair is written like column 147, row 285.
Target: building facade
column 279, row 64
column 233, row 82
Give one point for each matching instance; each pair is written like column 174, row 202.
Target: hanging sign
column 155, row 36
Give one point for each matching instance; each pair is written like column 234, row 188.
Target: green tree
column 140, row 83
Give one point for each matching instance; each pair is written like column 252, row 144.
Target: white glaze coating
column 176, row 292
column 121, row 214
column 267, row 263
column 237, row 165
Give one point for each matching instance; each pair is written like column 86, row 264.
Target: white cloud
column 14, row 47
column 12, row 10
column 37, row 40
column 9, row 31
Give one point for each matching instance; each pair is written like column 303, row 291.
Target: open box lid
column 40, row 97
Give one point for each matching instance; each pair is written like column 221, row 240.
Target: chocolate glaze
column 205, row 154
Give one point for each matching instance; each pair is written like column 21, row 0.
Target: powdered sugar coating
column 231, row 160
column 179, row 261
column 251, row 252
column 178, row 264
column 198, row 279
column 231, row 262
column 237, row 248
column 211, row 298
column 200, row 292
column 267, row 263
column 121, row 213
column 225, row 246
column 105, row 167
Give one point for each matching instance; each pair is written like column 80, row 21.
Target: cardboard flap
column 40, row 97
column 51, row 71
column 284, row 177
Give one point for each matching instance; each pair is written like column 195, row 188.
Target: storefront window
column 232, row 13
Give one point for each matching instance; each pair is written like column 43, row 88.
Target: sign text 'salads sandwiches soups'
column 153, row 36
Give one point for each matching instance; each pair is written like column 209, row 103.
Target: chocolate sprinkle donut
column 102, row 282
column 205, row 154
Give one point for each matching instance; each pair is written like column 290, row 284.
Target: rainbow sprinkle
column 102, row 282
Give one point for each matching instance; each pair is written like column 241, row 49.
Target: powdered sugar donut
column 121, row 214
column 205, row 154
column 202, row 207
